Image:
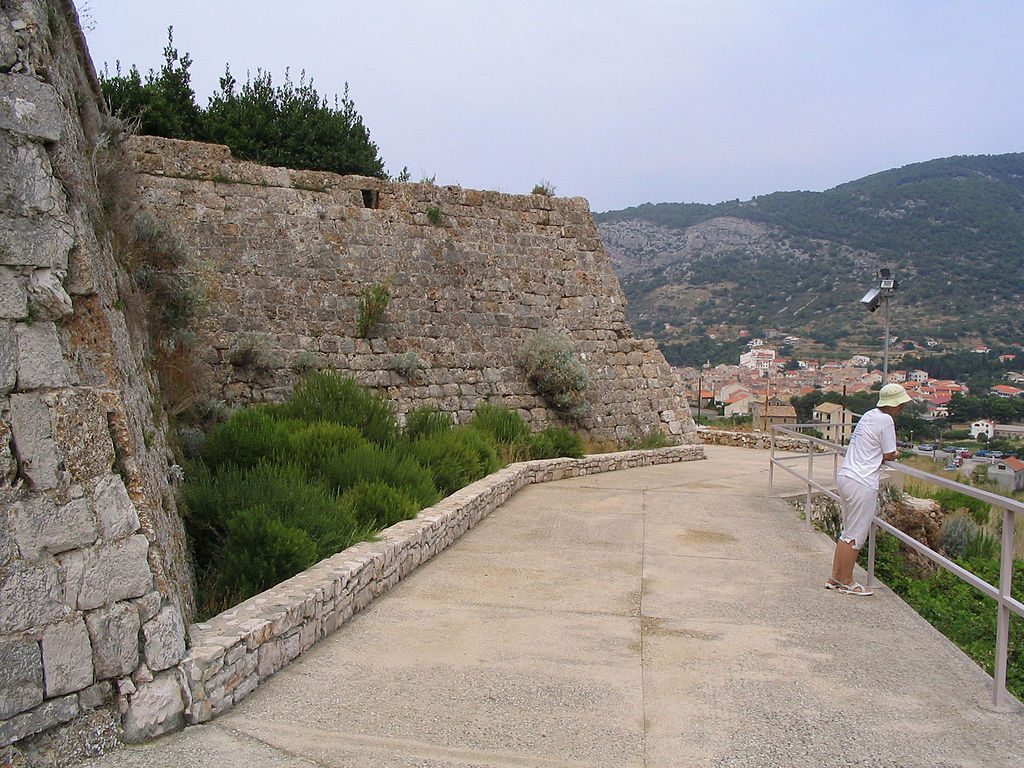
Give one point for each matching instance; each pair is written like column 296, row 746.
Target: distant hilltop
column 952, row 231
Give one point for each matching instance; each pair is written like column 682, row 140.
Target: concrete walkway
column 664, row 616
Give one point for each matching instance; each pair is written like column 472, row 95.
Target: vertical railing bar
column 872, row 532
column 810, row 476
column 771, row 465
column 1003, row 618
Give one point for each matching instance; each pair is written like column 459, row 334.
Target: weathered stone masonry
column 95, row 586
column 285, row 255
column 93, row 574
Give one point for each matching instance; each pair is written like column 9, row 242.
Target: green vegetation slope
column 952, row 230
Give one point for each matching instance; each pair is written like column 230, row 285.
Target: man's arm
column 890, row 456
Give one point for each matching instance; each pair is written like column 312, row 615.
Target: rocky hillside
column 798, row 262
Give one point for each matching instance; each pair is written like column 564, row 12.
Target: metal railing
column 1006, row 603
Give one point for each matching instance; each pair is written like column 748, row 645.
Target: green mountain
column 951, row 230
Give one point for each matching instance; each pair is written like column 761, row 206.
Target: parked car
column 904, row 444
column 999, row 454
column 982, row 453
column 963, row 453
column 926, row 447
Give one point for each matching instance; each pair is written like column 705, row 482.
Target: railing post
column 872, row 532
column 771, row 464
column 1003, row 616
column 810, row 476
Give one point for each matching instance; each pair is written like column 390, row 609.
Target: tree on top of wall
column 164, row 104
column 287, row 125
column 291, row 125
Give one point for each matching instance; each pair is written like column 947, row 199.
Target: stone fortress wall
column 95, row 585
column 285, row 255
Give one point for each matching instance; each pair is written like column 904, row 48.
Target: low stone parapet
column 755, row 439
column 235, row 651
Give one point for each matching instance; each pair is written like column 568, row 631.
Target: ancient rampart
column 94, row 580
column 95, row 584
column 473, row 276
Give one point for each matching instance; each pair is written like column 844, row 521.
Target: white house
column 758, row 358
column 919, row 376
column 1008, row 474
column 984, row 427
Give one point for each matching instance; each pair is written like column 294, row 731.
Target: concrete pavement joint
column 246, row 736
column 641, row 628
column 386, row 746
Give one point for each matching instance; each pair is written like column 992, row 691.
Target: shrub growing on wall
column 554, row 368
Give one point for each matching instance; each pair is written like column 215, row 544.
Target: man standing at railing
column 873, row 441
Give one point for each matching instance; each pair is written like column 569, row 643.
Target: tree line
column 289, row 124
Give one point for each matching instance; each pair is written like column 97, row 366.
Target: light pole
column 874, row 298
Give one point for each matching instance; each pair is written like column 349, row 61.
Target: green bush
column 376, row 504
column 554, row 442
column 958, row 532
column 554, row 368
column 371, row 463
column 372, row 304
column 328, row 396
column 249, row 436
column 452, row 463
column 426, row 421
column 487, row 458
column 500, row 424
column 255, row 353
column 260, row 550
column 316, row 446
column 228, row 517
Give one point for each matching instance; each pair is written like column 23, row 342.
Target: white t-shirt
column 874, row 435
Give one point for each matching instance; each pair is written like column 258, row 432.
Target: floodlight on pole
column 873, row 299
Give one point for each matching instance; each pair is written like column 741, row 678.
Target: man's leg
column 843, row 560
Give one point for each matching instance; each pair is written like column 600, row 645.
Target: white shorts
column 859, row 502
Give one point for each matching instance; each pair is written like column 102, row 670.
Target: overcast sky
column 621, row 102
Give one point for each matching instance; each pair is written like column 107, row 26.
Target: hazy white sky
column 621, row 102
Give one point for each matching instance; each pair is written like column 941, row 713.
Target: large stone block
column 155, row 708
column 67, row 657
column 40, row 525
column 13, row 295
column 164, row 639
column 30, row 107
column 30, row 596
column 46, row 715
column 82, row 431
column 33, row 440
column 114, row 509
column 21, row 676
column 115, row 640
column 28, row 185
column 8, row 361
column 40, row 357
column 42, row 242
column 8, row 45
column 108, row 573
